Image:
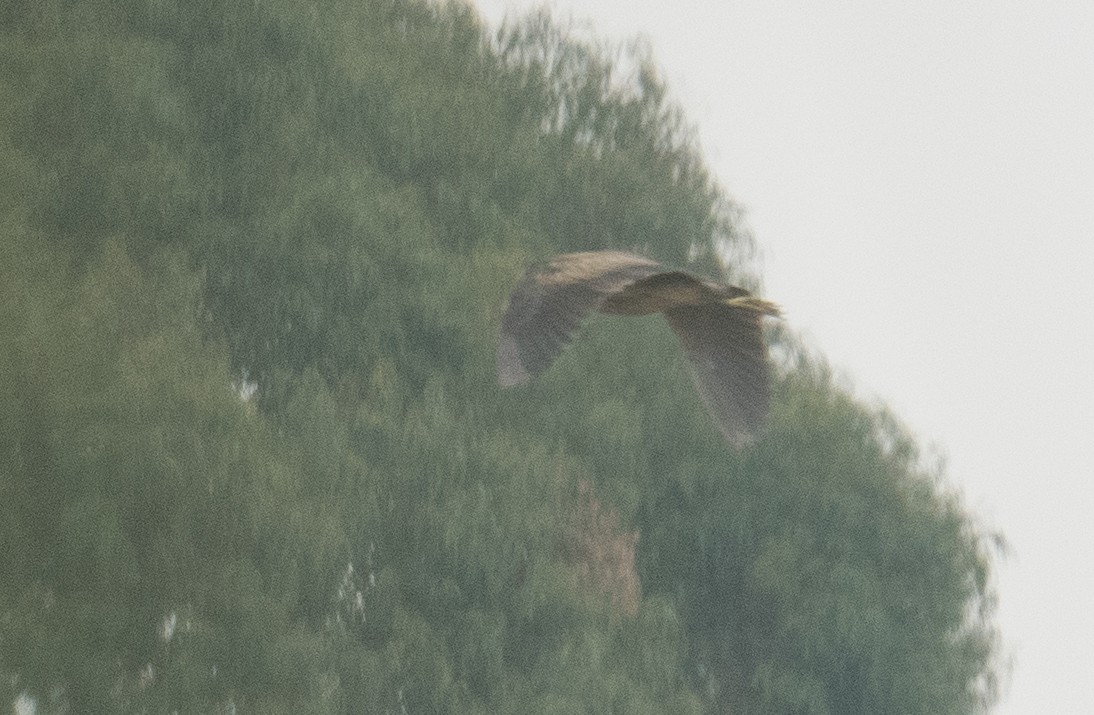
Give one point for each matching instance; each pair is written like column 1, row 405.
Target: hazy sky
column 920, row 179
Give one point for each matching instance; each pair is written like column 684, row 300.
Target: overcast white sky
column 920, row 178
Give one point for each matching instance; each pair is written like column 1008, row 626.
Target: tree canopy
column 253, row 457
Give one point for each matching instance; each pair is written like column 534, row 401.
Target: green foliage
column 862, row 585
column 252, row 454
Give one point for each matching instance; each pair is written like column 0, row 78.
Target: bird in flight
column 719, row 326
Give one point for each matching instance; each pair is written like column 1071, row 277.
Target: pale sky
column 920, row 179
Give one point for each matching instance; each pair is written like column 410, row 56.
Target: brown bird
column 718, row 325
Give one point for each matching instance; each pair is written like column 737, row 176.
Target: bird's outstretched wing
column 549, row 303
column 719, row 326
column 725, row 344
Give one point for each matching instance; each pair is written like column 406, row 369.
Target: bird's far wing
column 726, row 346
column 549, row 303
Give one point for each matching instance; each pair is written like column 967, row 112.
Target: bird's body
column 718, row 325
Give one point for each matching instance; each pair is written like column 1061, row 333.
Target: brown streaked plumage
column 718, row 325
